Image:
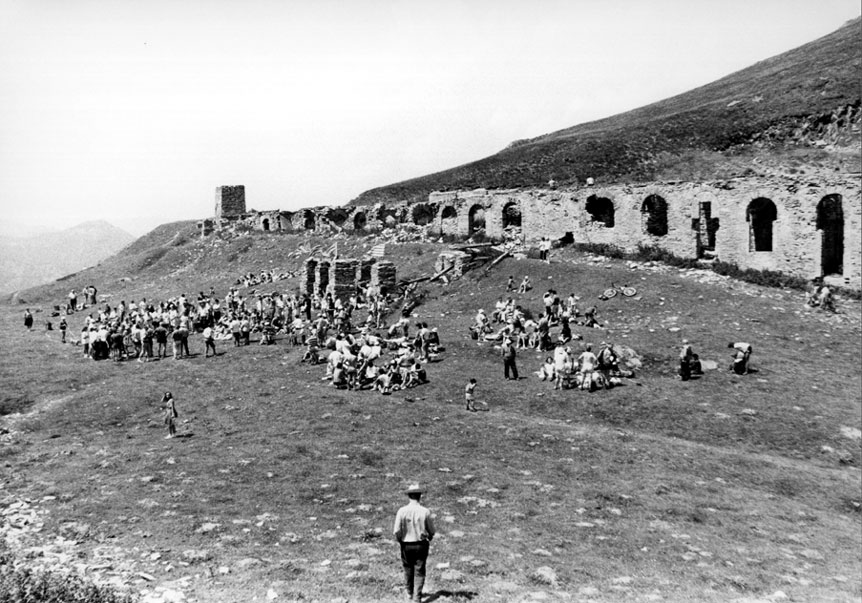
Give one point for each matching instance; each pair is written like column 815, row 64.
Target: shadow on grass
column 466, row 595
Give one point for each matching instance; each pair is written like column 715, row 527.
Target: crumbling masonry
column 802, row 228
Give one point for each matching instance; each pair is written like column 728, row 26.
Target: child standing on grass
column 468, row 395
column 170, row 409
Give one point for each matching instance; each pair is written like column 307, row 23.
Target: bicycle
column 613, row 290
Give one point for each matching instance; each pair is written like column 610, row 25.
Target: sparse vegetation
column 18, row 584
column 267, row 443
column 775, row 111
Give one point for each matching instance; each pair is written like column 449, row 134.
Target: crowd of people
column 357, row 355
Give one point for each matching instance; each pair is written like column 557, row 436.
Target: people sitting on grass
column 741, row 356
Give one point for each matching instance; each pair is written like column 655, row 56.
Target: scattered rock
column 208, row 527
column 196, row 555
column 851, row 432
column 545, row 575
column 452, row 575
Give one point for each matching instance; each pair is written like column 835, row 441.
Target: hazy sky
column 134, row 111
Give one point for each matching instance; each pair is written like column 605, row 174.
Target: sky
column 134, row 112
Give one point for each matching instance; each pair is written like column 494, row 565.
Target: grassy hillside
column 717, row 489
column 799, row 109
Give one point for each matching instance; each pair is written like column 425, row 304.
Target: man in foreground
column 414, row 531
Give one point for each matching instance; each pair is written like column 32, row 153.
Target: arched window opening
column 830, row 223
column 265, row 224
column 476, row 219
column 359, row 221
column 512, row 215
column 308, row 220
column 422, row 214
column 337, row 216
column 654, row 214
column 601, row 209
column 761, row 214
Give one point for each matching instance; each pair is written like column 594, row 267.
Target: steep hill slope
column 800, row 108
column 28, row 261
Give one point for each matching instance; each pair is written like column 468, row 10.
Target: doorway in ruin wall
column 359, row 221
column 706, row 227
column 422, row 215
column 830, row 223
column 308, row 220
column 512, row 215
column 476, row 219
column 761, row 213
column 654, row 216
column 265, row 224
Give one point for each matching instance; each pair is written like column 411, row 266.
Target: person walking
column 28, row 320
column 209, row 341
column 509, row 366
column 414, row 531
column 170, row 417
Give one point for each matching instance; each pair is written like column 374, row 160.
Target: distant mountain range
column 28, row 259
column 794, row 112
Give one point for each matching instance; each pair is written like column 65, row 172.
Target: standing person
column 468, row 395
column 177, row 342
column 414, row 531
column 587, row 361
column 147, row 347
column 685, row 360
column 73, row 300
column 209, row 342
column 510, row 284
column 509, row 366
column 161, row 335
column 28, row 320
column 63, row 327
column 85, row 340
column 170, row 416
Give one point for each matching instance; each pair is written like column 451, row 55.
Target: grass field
column 722, row 488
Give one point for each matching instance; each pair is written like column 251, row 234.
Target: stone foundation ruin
column 802, row 228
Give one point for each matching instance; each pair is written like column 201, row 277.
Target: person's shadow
column 467, row 595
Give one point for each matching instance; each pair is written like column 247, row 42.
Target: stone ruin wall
column 701, row 220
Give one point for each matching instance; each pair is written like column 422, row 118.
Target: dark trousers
column 413, row 557
column 509, row 365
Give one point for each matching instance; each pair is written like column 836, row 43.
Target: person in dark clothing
column 509, row 366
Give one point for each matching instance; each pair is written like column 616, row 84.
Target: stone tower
column 229, row 201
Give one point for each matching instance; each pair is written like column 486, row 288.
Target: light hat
column 414, row 489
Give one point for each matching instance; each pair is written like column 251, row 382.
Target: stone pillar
column 342, row 278
column 308, row 276
column 383, row 277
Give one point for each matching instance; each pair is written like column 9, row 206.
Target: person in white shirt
column 414, row 531
column 209, row 341
column 587, row 362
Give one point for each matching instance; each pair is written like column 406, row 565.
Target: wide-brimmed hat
column 414, row 489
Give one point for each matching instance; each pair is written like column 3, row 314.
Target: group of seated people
column 251, row 279
column 588, row 371
column 357, row 362
column 529, row 333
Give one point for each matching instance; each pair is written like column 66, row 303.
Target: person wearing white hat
column 414, row 531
